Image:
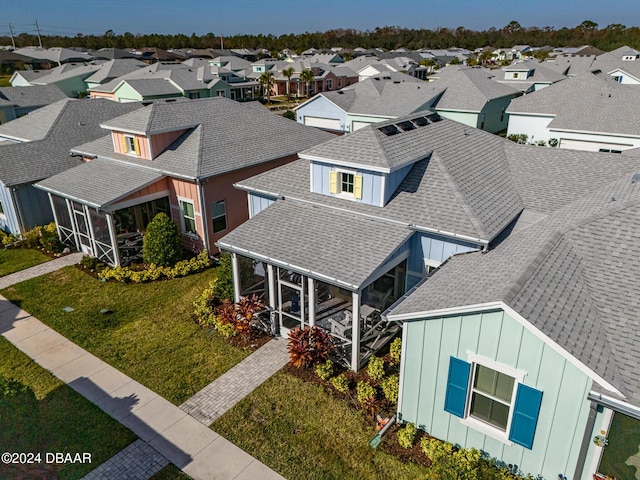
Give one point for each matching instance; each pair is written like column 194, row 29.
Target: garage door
column 359, row 125
column 324, row 123
column 592, row 146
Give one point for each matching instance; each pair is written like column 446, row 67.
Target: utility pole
column 221, row 43
column 38, row 30
column 13, row 42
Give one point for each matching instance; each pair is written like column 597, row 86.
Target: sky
column 277, row 17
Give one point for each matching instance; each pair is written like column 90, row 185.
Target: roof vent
column 340, row 92
column 406, row 126
column 170, row 100
column 389, row 130
column 396, row 81
column 420, row 121
column 635, row 178
column 434, row 117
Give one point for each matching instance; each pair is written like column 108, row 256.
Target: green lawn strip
column 15, row 259
column 46, row 416
column 170, row 472
column 300, row 431
column 4, row 80
column 624, row 442
column 149, row 335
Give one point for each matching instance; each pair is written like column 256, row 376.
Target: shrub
column 553, row 142
column 390, row 388
column 224, row 285
column 244, row 312
column 204, row 305
column 92, row 263
column 449, row 462
column 366, row 393
column 42, row 236
column 375, row 369
column 308, row 346
column 162, row 242
column 395, row 351
column 407, row 435
column 290, row 114
column 518, row 137
column 324, row 370
column 223, row 319
column 340, row 383
column 541, row 143
column 156, row 272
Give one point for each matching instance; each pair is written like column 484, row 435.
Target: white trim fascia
column 487, row 430
column 518, row 374
column 68, row 197
column 150, row 132
column 384, row 267
column 313, row 158
column 625, row 72
column 383, row 188
column 310, row 177
column 136, row 201
column 531, row 114
column 424, row 315
column 450, row 234
column 246, row 188
column 595, row 396
column 382, row 117
column 586, row 132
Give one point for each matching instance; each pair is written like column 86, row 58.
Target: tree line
column 388, row 37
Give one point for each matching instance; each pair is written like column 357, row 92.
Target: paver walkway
column 137, row 461
column 176, row 436
column 38, row 270
column 215, row 399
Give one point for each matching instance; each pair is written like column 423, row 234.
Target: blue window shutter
column 525, row 416
column 457, row 385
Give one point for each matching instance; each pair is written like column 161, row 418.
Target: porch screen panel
column 100, row 226
column 62, row 212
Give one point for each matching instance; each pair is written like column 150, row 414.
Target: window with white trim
column 130, row 143
column 346, row 182
column 219, row 216
column 491, row 396
column 188, row 217
column 329, row 83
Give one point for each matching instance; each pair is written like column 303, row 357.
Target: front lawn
column 149, row 334
column 301, row 431
column 42, row 415
column 15, row 259
column 624, row 442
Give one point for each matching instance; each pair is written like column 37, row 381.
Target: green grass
column 170, row 472
column 44, row 415
column 624, row 441
column 4, row 80
column 300, row 431
column 16, row 259
column 149, row 336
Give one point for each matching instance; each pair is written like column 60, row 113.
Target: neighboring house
column 153, row 55
column 373, row 100
column 178, row 157
column 519, row 52
column 18, row 101
column 367, row 67
column 529, row 76
column 473, row 96
column 526, row 351
column 23, row 78
column 37, row 146
column 113, row 69
column 55, row 55
column 623, row 64
column 10, row 61
column 589, row 112
column 160, row 81
column 68, row 77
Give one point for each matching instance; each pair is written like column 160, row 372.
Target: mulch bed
column 253, row 340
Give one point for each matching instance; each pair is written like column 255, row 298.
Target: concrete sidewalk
column 191, row 446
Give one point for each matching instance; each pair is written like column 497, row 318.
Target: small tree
column 288, row 72
column 162, row 244
column 267, row 81
column 307, row 77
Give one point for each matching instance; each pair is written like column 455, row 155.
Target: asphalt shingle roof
column 36, row 125
column 70, row 122
column 325, row 246
column 35, row 96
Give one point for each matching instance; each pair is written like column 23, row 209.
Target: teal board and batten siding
column 257, row 203
column 371, row 182
column 429, row 346
column 425, row 246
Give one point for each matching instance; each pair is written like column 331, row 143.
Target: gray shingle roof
column 115, row 68
column 35, row 96
column 572, row 275
column 71, row 122
column 588, row 102
column 36, row 125
column 339, row 246
column 391, row 95
column 151, row 87
column 228, row 136
column 65, row 72
column 100, row 182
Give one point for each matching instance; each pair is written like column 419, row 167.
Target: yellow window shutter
column 123, row 143
column 333, row 182
column 136, row 146
column 357, row 186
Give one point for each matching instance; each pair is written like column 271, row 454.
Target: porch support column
column 355, row 332
column 55, row 217
column 273, row 300
column 312, row 301
column 114, row 238
column 236, row 277
column 87, row 217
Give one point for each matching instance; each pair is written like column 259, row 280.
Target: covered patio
column 98, row 208
column 340, row 283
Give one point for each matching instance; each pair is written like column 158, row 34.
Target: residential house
column 527, row 350
column 587, row 112
column 10, row 61
column 23, row 78
column 18, row 101
column 623, row 64
column 112, row 69
column 519, row 52
column 180, row 157
column 367, row 67
column 55, row 55
column 529, row 75
column 370, row 101
column 473, row 96
column 68, row 77
column 153, row 55
column 36, row 146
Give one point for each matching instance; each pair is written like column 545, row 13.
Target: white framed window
column 329, row 84
column 188, row 217
column 491, row 396
column 219, row 216
column 346, row 182
column 130, row 143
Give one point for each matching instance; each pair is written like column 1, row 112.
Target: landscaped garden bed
column 40, row 414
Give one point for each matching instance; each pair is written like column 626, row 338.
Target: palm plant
column 307, row 76
column 288, row 72
column 266, row 80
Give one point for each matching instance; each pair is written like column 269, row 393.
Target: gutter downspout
column 19, row 215
column 586, row 439
column 203, row 216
